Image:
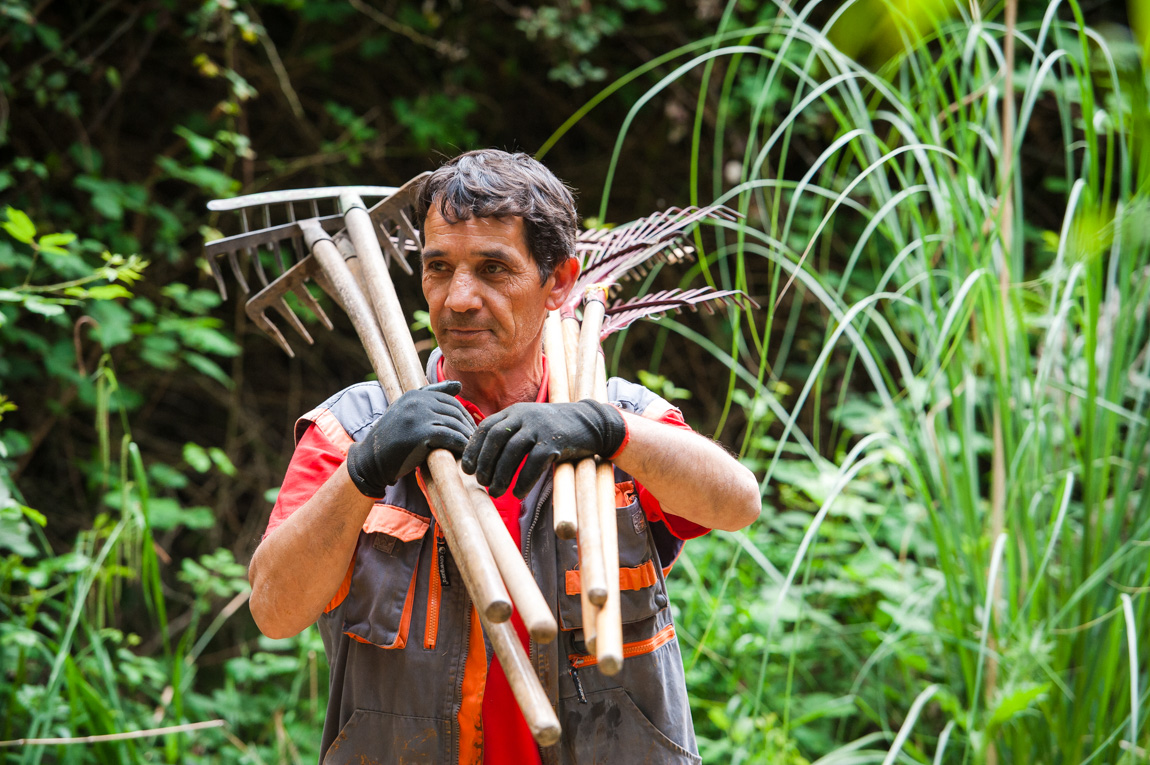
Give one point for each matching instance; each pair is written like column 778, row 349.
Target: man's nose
column 462, row 293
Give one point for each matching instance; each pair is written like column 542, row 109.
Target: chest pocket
column 383, row 579
column 641, row 587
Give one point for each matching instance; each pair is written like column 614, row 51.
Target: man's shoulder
column 355, row 408
column 633, row 397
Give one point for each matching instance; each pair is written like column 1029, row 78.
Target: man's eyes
column 487, row 269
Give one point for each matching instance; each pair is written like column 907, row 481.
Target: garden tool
column 606, row 257
column 331, row 262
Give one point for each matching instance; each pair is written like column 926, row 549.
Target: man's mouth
column 465, row 331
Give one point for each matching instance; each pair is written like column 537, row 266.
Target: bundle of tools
column 347, row 254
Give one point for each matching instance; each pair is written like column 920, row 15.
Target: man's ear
column 563, row 277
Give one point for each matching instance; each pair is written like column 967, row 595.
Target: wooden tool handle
column 342, row 281
column 559, row 392
column 609, row 626
column 455, row 512
column 571, row 350
column 533, row 702
column 591, row 564
column 525, row 594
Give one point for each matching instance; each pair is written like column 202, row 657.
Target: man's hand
column 416, row 423
column 544, row 434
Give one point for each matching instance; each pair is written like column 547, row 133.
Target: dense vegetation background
column 944, row 392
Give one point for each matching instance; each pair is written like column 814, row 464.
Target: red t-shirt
column 506, row 737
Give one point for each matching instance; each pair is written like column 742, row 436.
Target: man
column 352, row 543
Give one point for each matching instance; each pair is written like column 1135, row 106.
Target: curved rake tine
column 394, row 254
column 218, row 275
column 238, row 273
column 284, row 310
column 261, row 320
column 296, row 242
column 305, row 297
column 407, row 232
column 253, row 253
column 274, row 247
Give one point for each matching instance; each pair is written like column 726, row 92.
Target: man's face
column 483, row 292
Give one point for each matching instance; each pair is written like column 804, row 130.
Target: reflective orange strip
column 344, row 589
column 405, row 619
column 402, row 524
column 470, row 715
column 639, row 648
column 434, row 589
column 330, row 427
column 629, row 578
column 426, row 494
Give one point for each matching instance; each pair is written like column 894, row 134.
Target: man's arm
column 298, row 568
column 692, row 476
column 300, row 565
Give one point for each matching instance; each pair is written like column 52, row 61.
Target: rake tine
column 284, row 310
column 296, row 242
column 261, row 320
column 394, row 254
column 407, row 232
column 253, row 253
column 236, row 272
column 304, row 296
column 275, row 248
column 221, row 285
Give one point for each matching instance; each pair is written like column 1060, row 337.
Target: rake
column 584, row 495
column 346, row 255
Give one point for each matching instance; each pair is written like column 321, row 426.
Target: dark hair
column 489, row 183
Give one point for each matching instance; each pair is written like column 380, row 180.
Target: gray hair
column 489, row 183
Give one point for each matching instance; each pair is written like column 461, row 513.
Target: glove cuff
column 363, row 484
column 626, row 434
column 612, row 429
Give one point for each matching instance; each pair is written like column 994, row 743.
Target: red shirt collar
column 540, row 398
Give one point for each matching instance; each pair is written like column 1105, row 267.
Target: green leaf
column 206, row 366
column 19, row 225
column 42, row 306
column 221, row 461
column 196, row 456
column 15, row 533
column 114, row 323
column 57, row 240
column 207, row 178
column 202, row 147
column 1013, row 703
column 165, row 513
column 108, row 292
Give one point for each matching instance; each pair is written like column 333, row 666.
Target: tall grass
column 92, row 664
column 945, row 392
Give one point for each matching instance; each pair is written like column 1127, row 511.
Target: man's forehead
column 474, row 232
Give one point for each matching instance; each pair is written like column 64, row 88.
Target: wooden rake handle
column 559, row 392
column 456, row 497
column 593, row 573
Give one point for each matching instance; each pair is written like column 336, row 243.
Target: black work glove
column 544, row 433
column 414, row 424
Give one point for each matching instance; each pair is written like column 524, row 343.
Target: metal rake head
column 607, row 256
column 623, row 313
column 283, row 233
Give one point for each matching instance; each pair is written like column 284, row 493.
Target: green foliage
column 945, row 392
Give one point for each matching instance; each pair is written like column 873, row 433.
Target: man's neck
column 492, row 392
